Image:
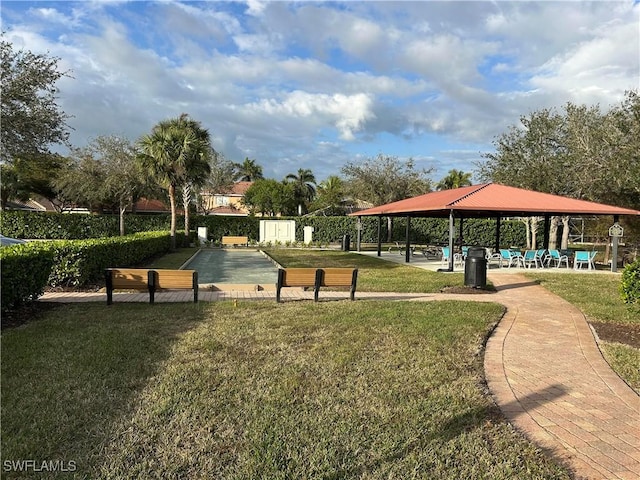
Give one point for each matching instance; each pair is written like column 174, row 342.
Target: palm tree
column 454, row 179
column 198, row 167
column 248, row 171
column 172, row 152
column 303, row 184
column 331, row 193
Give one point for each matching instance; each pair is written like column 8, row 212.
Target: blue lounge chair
column 530, row 258
column 584, row 258
column 556, row 257
column 511, row 257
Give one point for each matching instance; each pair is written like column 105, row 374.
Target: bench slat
column 235, row 240
column 316, row 278
column 151, row 280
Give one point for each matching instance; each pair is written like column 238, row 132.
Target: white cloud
column 313, row 84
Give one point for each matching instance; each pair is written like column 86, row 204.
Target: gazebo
column 490, row 200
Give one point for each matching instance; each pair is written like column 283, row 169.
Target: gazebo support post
column 614, row 247
column 451, row 229
column 497, row 245
column 379, row 235
column 460, row 235
column 407, row 245
column 547, row 230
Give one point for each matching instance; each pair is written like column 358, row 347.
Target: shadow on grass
column 472, row 419
column 69, row 378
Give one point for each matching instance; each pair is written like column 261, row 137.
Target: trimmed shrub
column 630, row 284
column 66, row 226
column 82, row 262
column 25, row 272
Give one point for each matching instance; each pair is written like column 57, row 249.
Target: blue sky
column 316, row 84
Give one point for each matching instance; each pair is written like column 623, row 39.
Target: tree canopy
column 270, row 197
column 31, row 118
column 174, row 153
column 454, row 179
column 248, row 171
column 385, row 179
column 304, row 188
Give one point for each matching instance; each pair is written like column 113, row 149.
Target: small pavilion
column 490, row 200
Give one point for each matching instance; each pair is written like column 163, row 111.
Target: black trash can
column 346, row 243
column 475, row 268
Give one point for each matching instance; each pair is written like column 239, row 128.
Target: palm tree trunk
column 172, row 202
column 186, row 200
column 122, row 209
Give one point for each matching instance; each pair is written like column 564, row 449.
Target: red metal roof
column 491, row 200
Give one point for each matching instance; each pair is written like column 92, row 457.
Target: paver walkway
column 542, row 365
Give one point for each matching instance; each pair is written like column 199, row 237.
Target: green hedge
column 68, row 226
column 39, row 225
column 630, row 285
column 82, row 262
column 25, row 271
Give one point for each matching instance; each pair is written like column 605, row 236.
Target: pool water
column 229, row 266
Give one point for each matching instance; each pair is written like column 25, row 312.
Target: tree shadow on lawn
column 474, row 418
column 68, row 378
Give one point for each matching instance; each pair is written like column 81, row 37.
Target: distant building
column 227, row 201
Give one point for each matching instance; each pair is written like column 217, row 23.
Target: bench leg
column 279, row 284
column 318, row 282
column 354, row 279
column 109, row 283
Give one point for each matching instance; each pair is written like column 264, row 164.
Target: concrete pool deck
column 542, row 365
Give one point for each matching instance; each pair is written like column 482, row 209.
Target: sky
column 314, row 85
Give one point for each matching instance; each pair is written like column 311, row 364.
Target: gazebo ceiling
column 492, row 200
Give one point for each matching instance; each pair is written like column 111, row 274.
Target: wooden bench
column 316, row 278
column 150, row 280
column 238, row 240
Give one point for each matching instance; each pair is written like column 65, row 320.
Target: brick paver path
column 547, row 374
column 542, row 365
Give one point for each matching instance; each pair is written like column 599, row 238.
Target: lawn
column 332, row 390
column 374, row 275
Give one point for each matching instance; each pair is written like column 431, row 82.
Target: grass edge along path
column 333, row 390
column 598, row 297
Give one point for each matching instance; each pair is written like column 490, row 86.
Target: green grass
column 300, row 390
column 374, row 274
column 173, row 260
column 597, row 295
column 625, row 360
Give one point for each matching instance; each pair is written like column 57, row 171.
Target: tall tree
column 198, row 166
column 31, row 118
column 169, row 153
column 385, row 179
column 270, row 197
column 303, row 187
column 38, row 173
column 454, row 179
column 248, row 171
column 580, row 152
column 330, row 196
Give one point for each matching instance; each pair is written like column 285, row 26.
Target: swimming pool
column 230, row 269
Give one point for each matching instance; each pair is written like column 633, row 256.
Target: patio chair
column 492, row 257
column 584, row 258
column 556, row 257
column 541, row 255
column 457, row 257
column 511, row 257
column 530, row 258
